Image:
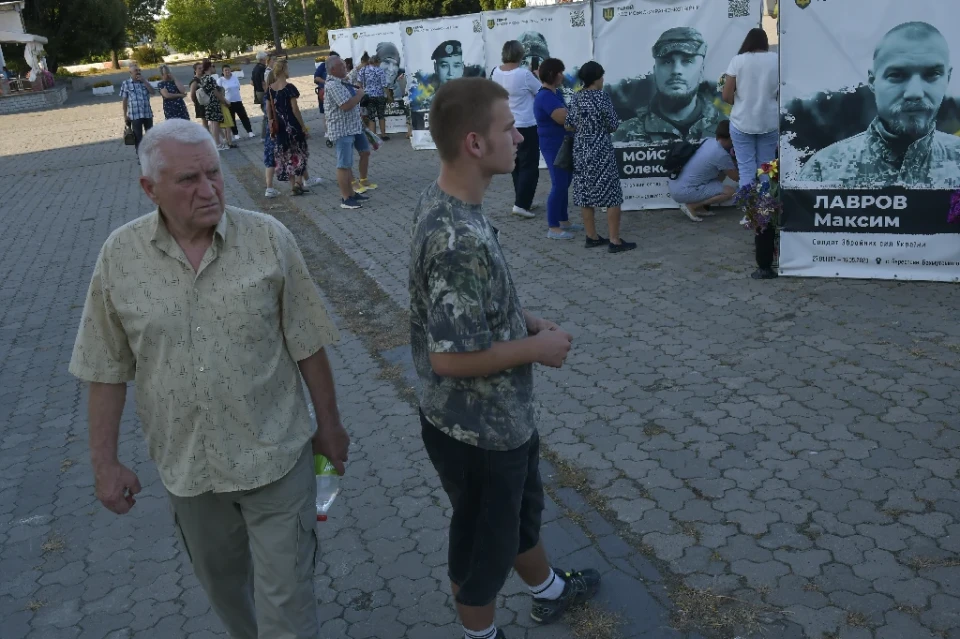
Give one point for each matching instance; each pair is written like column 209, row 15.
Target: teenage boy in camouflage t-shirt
column 474, row 348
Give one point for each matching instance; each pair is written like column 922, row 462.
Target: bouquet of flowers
column 720, row 83
column 953, row 216
column 760, row 201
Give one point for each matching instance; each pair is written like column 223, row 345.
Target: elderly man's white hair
column 177, row 130
column 261, row 56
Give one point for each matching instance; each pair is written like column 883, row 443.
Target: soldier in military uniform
column 535, row 49
column 447, row 65
column 677, row 111
column 910, row 75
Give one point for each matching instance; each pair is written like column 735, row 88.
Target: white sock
column 551, row 589
column 489, row 633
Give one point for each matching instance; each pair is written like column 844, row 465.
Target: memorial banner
column 558, row 31
column 382, row 40
column 437, row 51
column 870, row 152
column 665, row 91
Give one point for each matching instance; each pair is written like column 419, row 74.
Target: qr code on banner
column 738, row 8
column 577, row 18
column 476, row 27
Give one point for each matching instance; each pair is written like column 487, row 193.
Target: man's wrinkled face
column 910, row 77
column 189, row 187
column 678, row 74
column 449, row 68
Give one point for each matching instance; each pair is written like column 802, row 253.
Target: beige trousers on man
column 261, row 544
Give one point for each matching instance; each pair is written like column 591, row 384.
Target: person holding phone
column 137, row 112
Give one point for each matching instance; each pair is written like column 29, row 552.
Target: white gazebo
column 25, row 94
column 13, row 31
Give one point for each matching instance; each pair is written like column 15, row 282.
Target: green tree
column 76, row 29
column 142, row 19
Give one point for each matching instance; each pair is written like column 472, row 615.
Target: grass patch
column 857, row 620
column 590, row 622
column 652, row 430
column 66, row 465
column 567, row 475
column 35, row 604
column 55, row 542
column 910, row 610
column 720, row 614
column 811, row 587
column 924, row 563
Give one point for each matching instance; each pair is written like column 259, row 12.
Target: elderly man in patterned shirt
column 211, row 311
column 341, row 103
column 137, row 111
column 474, row 347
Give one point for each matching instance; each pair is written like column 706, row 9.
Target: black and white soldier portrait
column 909, row 80
column 679, row 108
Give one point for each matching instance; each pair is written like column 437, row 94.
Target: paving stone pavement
column 791, row 445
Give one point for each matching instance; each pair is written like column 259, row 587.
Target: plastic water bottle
column 328, row 481
column 328, row 485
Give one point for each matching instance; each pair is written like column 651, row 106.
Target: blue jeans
column 752, row 152
column 559, row 184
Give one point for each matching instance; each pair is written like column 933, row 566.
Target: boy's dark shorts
column 497, row 499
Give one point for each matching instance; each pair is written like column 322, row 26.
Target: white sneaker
column 251, row 135
column 271, row 193
column 223, row 147
column 313, row 181
column 523, row 213
column 686, row 211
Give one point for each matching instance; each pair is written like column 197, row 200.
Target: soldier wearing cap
column 902, row 146
column 448, row 61
column 677, row 111
column 535, row 49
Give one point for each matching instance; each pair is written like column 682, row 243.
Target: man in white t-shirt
column 700, row 183
column 231, row 90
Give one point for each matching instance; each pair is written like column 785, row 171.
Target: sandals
column 298, row 190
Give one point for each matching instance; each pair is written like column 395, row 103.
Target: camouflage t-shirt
column 462, row 300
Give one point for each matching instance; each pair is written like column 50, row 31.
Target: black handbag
column 564, row 159
column 128, row 137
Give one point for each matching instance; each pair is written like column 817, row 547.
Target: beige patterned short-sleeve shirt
column 213, row 353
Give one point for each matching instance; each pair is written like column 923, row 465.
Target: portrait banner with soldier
column 559, row 31
column 385, row 42
column 437, row 51
column 870, row 151
column 665, row 90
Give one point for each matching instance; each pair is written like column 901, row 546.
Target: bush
column 228, row 45
column 155, row 78
column 62, row 72
column 101, row 84
column 148, row 55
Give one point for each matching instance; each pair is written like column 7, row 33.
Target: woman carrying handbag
column 556, row 146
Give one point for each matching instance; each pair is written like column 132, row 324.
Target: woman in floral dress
column 173, row 105
column 596, row 179
column 214, row 108
column 291, row 150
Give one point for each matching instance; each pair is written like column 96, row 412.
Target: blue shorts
column 345, row 147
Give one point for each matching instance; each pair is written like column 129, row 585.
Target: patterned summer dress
column 291, row 144
column 596, row 179
column 209, row 84
column 175, row 108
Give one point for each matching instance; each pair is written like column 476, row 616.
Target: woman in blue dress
column 596, row 180
column 173, row 105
